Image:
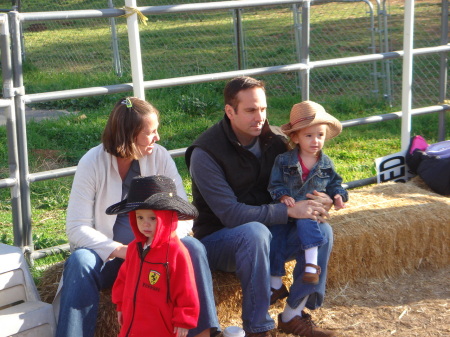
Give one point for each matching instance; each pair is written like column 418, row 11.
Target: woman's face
column 148, row 136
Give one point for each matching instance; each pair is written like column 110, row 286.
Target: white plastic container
column 233, row 331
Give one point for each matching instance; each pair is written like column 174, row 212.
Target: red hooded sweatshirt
column 155, row 290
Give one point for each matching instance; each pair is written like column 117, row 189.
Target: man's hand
column 120, row 252
column 308, row 209
column 321, row 198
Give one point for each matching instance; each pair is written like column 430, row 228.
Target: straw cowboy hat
column 309, row 113
column 157, row 193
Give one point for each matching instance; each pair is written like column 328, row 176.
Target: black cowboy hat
column 154, row 192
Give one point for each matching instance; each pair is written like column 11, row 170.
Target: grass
column 76, row 54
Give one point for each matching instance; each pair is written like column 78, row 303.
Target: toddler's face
column 310, row 139
column 146, row 222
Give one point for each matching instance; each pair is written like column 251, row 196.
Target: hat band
column 301, row 120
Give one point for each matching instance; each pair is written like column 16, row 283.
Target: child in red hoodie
column 155, row 292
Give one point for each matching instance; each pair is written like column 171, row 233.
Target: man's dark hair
column 237, row 84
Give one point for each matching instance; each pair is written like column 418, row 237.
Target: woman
column 99, row 241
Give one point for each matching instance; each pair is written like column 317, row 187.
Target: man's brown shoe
column 270, row 333
column 303, row 326
column 278, row 294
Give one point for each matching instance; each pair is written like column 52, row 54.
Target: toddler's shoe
column 312, row 278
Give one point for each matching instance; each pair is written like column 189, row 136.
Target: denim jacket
column 286, row 178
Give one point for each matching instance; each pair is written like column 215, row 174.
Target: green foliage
column 192, row 105
column 45, row 240
column 6, row 239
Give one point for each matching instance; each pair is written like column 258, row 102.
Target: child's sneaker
column 312, row 278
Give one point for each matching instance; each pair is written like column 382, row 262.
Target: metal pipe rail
column 152, row 10
column 68, row 171
column 177, row 81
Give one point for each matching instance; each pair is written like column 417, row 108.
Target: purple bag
column 441, row 149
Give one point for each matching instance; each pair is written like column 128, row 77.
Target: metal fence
column 15, row 95
column 245, row 38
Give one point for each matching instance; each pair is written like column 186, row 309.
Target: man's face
column 249, row 116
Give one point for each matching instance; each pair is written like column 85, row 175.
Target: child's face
column 310, row 139
column 146, row 222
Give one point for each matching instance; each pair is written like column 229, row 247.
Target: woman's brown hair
column 124, row 124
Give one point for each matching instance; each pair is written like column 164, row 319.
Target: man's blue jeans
column 245, row 250
column 85, row 275
column 286, row 246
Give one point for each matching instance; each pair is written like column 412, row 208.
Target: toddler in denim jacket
column 306, row 169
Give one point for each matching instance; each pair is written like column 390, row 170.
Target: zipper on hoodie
column 142, row 254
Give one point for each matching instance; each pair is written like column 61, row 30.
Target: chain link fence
column 68, row 55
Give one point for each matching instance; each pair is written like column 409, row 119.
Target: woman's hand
column 119, row 252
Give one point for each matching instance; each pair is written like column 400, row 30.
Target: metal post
column 239, row 38
column 115, row 43
column 298, row 39
column 26, row 242
column 304, row 48
column 443, row 74
column 387, row 63
column 137, row 72
column 13, row 160
column 408, row 37
column 373, row 46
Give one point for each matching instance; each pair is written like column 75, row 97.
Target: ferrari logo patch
column 153, row 277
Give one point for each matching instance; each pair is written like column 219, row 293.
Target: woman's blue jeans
column 85, row 275
column 286, row 246
column 244, row 250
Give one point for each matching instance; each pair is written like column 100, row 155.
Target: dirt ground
column 416, row 304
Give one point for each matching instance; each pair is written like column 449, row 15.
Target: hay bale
column 107, row 324
column 228, row 297
column 389, row 229
column 385, row 230
column 49, row 281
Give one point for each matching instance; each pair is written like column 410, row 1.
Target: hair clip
column 127, row 102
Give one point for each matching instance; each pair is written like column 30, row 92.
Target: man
column 230, row 165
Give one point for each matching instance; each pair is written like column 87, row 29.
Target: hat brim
column 334, row 127
column 158, row 201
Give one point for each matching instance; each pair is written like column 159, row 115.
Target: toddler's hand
column 180, row 332
column 338, row 203
column 287, row 200
column 120, row 318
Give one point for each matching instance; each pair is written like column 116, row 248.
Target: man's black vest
column 247, row 175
